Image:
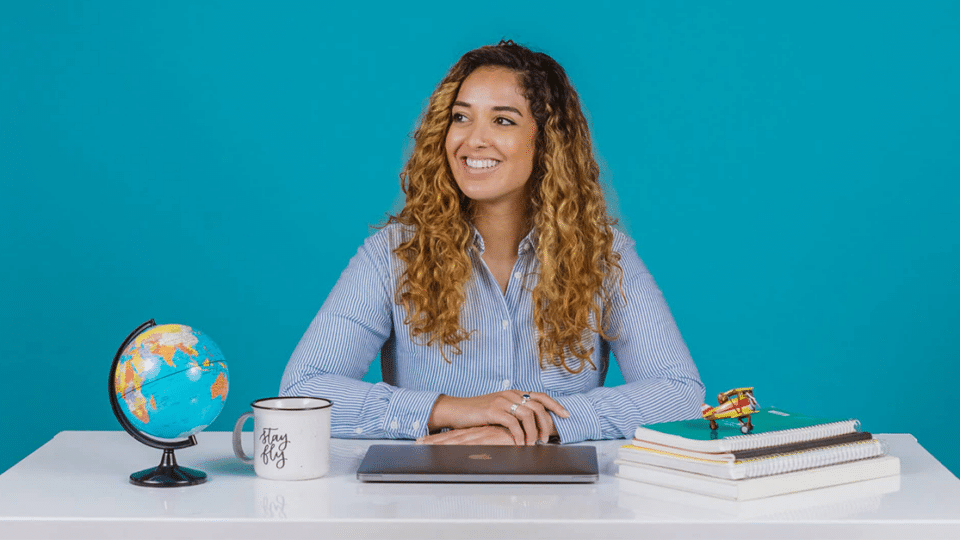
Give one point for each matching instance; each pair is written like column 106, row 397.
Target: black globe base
column 168, row 474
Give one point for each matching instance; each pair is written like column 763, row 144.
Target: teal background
column 789, row 171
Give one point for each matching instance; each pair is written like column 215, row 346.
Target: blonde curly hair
column 578, row 265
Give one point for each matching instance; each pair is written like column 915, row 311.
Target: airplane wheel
column 744, row 429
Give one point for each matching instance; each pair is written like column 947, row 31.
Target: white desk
column 76, row 486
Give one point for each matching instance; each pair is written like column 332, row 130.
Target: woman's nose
column 479, row 136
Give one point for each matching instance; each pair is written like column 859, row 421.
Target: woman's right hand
column 528, row 422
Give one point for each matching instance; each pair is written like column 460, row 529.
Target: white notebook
column 765, row 486
column 755, row 467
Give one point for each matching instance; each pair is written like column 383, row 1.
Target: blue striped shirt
column 360, row 319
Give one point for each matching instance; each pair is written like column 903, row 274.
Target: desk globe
column 167, row 382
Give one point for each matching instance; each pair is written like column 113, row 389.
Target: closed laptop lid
column 479, row 463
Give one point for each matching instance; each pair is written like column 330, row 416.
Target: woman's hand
column 496, row 435
column 525, row 415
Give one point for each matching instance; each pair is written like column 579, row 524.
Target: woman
column 496, row 295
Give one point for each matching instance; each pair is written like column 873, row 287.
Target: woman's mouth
column 480, row 165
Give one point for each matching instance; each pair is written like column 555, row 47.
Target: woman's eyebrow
column 508, row 109
column 498, row 108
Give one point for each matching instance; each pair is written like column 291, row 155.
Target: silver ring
column 513, row 408
column 526, row 398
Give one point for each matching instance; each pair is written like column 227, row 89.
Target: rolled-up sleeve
column 662, row 383
column 342, row 340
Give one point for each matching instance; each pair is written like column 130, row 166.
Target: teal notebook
column 771, row 427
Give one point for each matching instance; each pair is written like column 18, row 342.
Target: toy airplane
column 738, row 403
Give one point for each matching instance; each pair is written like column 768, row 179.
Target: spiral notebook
column 739, row 455
column 754, row 467
column 771, row 427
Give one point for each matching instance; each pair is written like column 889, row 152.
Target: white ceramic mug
column 291, row 437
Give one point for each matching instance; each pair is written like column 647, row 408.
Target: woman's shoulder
column 389, row 237
column 621, row 240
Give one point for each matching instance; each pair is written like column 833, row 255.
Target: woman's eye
column 458, row 117
column 505, row 121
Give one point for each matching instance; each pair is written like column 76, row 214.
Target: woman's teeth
column 481, row 163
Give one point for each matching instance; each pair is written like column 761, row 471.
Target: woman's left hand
column 496, row 435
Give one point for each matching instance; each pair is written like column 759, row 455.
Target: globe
column 171, row 381
column 167, row 382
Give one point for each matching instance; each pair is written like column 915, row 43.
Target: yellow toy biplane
column 738, row 403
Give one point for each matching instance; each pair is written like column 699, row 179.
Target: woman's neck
column 502, row 229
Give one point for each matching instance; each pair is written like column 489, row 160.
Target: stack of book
column 785, row 453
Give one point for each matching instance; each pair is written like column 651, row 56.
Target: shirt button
column 506, row 383
column 518, row 275
column 358, row 431
column 416, row 424
column 506, row 324
column 394, row 425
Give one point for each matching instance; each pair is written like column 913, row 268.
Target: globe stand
column 168, row 473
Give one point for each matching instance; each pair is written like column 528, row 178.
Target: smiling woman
column 497, row 293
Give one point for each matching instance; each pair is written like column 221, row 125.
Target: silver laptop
column 548, row 463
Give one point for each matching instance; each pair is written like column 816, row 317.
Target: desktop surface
column 76, row 486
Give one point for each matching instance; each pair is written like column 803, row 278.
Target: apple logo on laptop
column 480, row 456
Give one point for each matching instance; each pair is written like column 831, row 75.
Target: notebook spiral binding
column 811, row 459
column 787, row 436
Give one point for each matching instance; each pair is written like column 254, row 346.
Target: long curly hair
column 574, row 246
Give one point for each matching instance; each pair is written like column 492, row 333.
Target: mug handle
column 237, row 445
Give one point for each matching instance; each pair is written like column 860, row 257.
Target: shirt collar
column 478, row 240
column 529, row 241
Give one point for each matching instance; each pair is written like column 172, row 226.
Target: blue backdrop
column 790, row 173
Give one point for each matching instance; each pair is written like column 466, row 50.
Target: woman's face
column 491, row 142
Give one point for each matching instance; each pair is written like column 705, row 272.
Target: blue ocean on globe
column 171, row 381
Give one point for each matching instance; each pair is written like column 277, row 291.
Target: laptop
column 547, row 463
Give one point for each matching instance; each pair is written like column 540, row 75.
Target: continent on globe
column 219, row 387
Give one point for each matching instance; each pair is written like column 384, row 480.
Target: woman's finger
column 476, row 435
column 460, row 436
column 438, row 438
column 505, row 413
column 454, row 436
column 509, row 421
column 491, row 435
column 526, row 416
column 550, row 404
column 544, row 420
column 528, row 421
column 497, row 435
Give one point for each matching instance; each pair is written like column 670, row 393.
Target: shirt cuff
column 583, row 423
column 408, row 413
